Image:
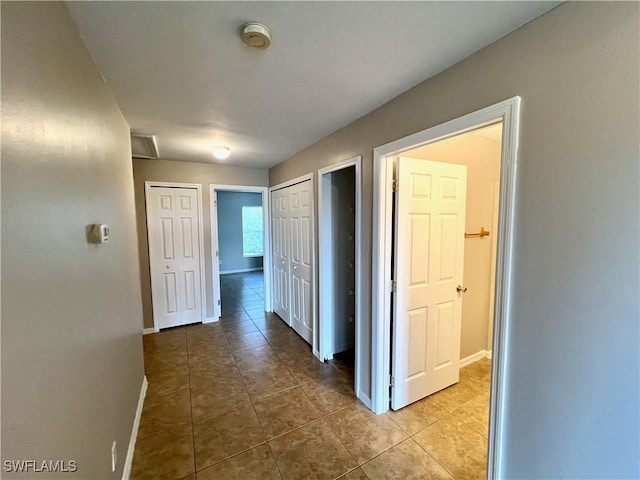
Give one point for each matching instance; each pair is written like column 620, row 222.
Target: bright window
column 252, row 231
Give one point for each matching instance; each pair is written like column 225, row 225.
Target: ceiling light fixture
column 221, row 152
column 256, row 35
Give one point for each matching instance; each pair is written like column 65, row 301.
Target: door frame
column 507, row 111
column 495, row 216
column 325, row 256
column 314, row 290
column 215, row 247
column 148, row 185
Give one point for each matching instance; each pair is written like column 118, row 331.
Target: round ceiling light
column 255, row 35
column 221, row 152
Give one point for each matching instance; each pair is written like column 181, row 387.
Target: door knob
column 461, row 289
column 168, row 267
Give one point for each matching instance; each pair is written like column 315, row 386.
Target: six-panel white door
column 174, row 255
column 301, row 268
column 280, row 227
column 291, row 227
column 428, row 267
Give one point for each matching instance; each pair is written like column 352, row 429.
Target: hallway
column 245, row 398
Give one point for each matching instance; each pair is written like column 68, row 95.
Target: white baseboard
column 364, row 398
column 126, row 473
column 211, row 319
column 243, row 270
column 147, row 331
column 474, row 357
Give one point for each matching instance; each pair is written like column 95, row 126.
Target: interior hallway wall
column 482, row 158
column 72, row 365
column 573, row 376
column 184, row 172
column 230, row 234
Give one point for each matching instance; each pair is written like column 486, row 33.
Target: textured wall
column 72, row 363
column 572, row 397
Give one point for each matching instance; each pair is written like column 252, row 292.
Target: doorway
column 239, row 242
column 339, row 322
column 506, row 112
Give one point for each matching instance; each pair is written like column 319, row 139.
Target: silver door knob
column 168, row 267
column 295, row 267
column 461, row 289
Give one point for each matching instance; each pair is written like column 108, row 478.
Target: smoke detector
column 255, row 35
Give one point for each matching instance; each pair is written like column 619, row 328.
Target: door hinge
column 394, row 286
column 218, row 302
column 395, row 185
column 392, row 381
column 217, row 254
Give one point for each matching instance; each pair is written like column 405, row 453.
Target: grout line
column 315, row 420
column 319, row 419
column 434, row 458
column 340, row 440
column 275, row 460
column 193, row 433
column 232, row 456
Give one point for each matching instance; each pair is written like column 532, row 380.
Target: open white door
column 174, row 253
column 428, row 264
column 215, row 254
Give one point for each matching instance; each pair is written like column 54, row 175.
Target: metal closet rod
column 483, row 233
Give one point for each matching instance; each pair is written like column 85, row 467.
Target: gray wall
column 184, row 172
column 230, row 230
column 572, row 397
column 72, row 363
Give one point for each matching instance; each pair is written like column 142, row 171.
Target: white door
column 428, row 264
column 299, row 199
column 280, row 222
column 174, row 255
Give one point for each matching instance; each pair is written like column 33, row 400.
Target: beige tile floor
column 245, row 399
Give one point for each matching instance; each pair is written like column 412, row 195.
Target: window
column 252, row 231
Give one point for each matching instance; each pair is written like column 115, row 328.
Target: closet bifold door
column 280, row 254
column 301, row 266
column 291, row 228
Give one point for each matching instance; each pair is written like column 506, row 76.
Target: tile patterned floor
column 245, row 399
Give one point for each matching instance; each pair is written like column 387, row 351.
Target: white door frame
column 508, row 112
column 266, row 245
column 314, row 303
column 495, row 217
column 325, row 317
column 147, row 187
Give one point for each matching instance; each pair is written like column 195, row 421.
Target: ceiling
column 179, row 70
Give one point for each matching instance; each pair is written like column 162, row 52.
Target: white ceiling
column 179, row 70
